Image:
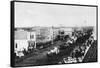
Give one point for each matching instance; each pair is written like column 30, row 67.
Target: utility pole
column 52, row 35
column 35, row 40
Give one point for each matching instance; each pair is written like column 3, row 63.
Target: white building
column 22, row 39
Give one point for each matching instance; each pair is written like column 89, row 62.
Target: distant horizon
column 54, row 26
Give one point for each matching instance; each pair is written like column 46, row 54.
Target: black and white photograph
column 53, row 33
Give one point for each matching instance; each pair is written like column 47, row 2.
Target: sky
column 36, row 14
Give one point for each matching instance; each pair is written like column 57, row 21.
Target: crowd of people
column 84, row 40
column 76, row 46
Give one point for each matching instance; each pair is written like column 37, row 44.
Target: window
column 31, row 36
